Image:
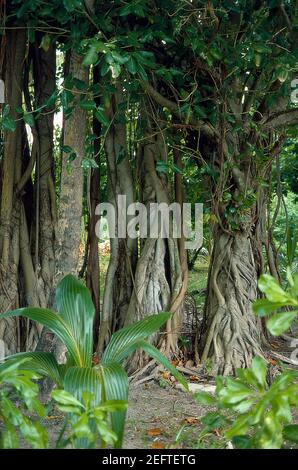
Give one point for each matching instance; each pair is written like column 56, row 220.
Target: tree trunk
column 119, row 278
column 159, row 278
column 231, row 332
column 71, row 201
column 68, row 235
column 92, row 271
column 44, row 71
column 11, row 204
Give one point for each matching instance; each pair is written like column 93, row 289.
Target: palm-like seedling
column 73, row 325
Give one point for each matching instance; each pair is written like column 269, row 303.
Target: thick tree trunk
column 68, row 234
column 11, row 205
column 119, row 278
column 231, row 333
column 70, row 206
column 92, row 270
column 158, row 282
column 44, row 71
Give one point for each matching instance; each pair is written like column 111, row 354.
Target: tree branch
column 204, row 127
column 282, row 119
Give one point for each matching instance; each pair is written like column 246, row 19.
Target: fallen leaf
column 154, row 432
column 191, row 421
column 175, row 363
column 158, row 445
column 166, row 375
column 272, row 361
column 195, row 378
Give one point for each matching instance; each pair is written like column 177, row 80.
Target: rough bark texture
column 10, row 205
column 70, row 206
column 158, row 278
column 231, row 334
column 44, row 69
column 92, row 270
column 119, row 278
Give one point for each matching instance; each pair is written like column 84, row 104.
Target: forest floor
column 158, row 417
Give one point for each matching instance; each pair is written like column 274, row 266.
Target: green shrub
column 89, row 425
column 17, row 385
column 276, row 300
column 250, row 412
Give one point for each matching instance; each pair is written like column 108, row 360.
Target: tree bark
column 159, row 277
column 11, row 205
column 71, row 201
column 44, row 72
column 119, row 278
column 231, row 333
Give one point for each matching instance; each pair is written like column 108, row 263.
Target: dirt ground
column 161, row 417
column 157, row 417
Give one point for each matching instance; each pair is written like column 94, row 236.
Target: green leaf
column 9, row 437
column 55, row 323
column 67, row 402
column 45, row 42
column 88, row 163
column 88, row 105
column 8, row 124
column 213, row 420
column 112, row 405
column 9, row 367
column 272, row 289
column 205, row 398
column 242, row 442
column 271, row 435
column 34, row 433
column 29, row 119
column 121, row 341
column 114, row 382
column 74, row 303
column 176, row 169
column 259, row 369
column 162, row 167
column 66, row 149
column 240, row 426
column 290, row 432
column 131, row 66
column 280, row 322
column 233, row 393
column 78, row 380
column 264, row 307
column 82, row 429
column 120, row 58
column 6, row 110
column 42, row 362
column 107, row 435
column 101, row 117
column 91, row 57
column 71, row 5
